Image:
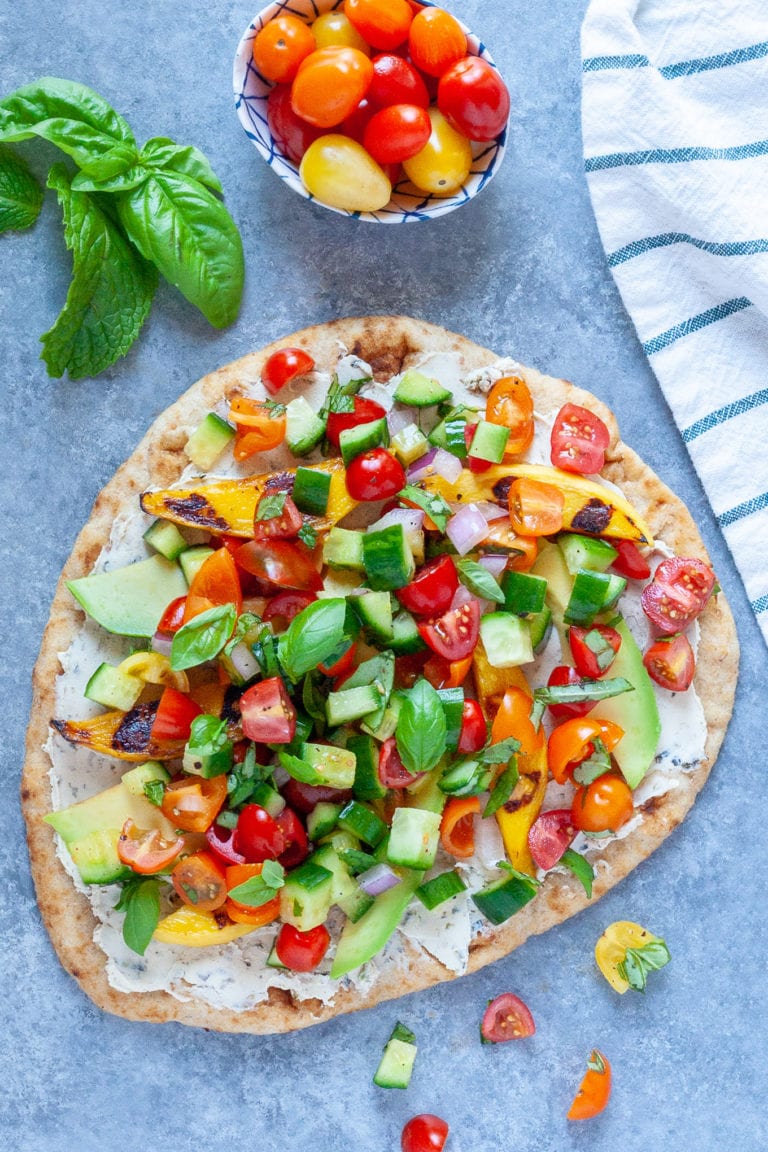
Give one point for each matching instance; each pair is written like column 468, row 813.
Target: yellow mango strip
column 199, row 929
column 589, row 507
column 229, row 506
column 124, row 735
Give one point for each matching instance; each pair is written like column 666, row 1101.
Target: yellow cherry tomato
column 334, row 28
column 444, row 162
column 611, row 950
column 339, row 172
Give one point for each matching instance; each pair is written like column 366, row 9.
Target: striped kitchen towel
column 675, row 123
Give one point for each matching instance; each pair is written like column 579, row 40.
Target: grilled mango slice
column 124, row 735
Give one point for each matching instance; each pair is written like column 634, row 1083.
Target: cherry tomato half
column 302, row 951
column 559, row 677
column 550, row 835
column 510, row 404
column 594, row 649
column 424, row 1133
column 199, row 882
column 535, row 509
column 382, row 23
column 282, row 608
column 280, row 47
column 267, row 712
column 363, row 413
column 630, row 561
column 397, row 132
column 329, row 84
column 281, row 562
column 284, row 526
column 146, row 852
column 294, row 836
column 457, row 827
column 506, row 1018
column 572, row 742
column 284, row 365
column 579, row 440
column 671, row 663
column 444, row 162
column 260, row 426
column 291, row 134
column 174, row 716
column 594, row 1091
column 678, row 592
column 221, row 842
column 392, row 772
column 436, row 40
column 395, row 81
column 473, row 728
column 431, row 591
column 216, row 582
column 257, row 835
column 173, row 617
column 474, row 99
column 605, row 805
column 454, row 635
column 375, row 475
column 192, row 803
column 304, row 797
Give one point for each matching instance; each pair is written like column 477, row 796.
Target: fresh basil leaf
column 180, row 226
column 262, row 888
column 502, row 789
column 142, row 915
column 341, row 404
column 244, row 778
column 203, row 637
column 110, row 294
column 632, row 970
column 21, row 195
column 595, row 765
column 355, row 860
column 314, row 699
column 431, row 502
column 74, row 118
column 154, row 790
column 421, row 728
column 537, row 712
column 271, row 507
column 312, row 636
column 654, row 955
column 580, row 867
column 586, row 690
column 596, row 1062
column 299, row 769
column 500, row 753
column 273, row 873
column 208, row 734
column 308, row 535
column 120, row 182
column 479, row 580
column 162, row 153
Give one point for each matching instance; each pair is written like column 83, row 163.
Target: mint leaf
column 479, row 580
column 21, row 196
column 502, row 789
column 178, row 224
column 312, row 636
column 421, row 728
column 203, row 637
column 580, row 867
column 141, row 902
column 163, row 153
column 110, row 294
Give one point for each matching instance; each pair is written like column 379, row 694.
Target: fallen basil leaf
column 501, row 752
column 421, row 728
column 586, row 690
column 142, row 914
column 163, row 153
column 479, row 580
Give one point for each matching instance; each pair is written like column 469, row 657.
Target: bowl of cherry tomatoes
column 386, row 110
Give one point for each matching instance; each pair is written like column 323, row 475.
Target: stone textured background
column 520, row 269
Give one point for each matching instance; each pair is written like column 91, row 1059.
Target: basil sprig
column 203, row 637
column 262, row 888
column 585, row 690
column 421, row 728
column 638, row 962
column 140, row 900
column 595, row 765
column 244, row 779
column 313, row 635
column 479, row 580
column 580, row 867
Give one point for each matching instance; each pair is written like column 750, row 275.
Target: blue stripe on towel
column 694, row 323
column 720, row 415
column 756, row 504
column 760, row 605
column 675, row 156
column 709, row 63
column 725, row 248
column 606, row 63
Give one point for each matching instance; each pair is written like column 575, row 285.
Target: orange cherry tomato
column 513, row 718
column 511, row 405
column 215, row 582
column 260, row 426
column 457, row 828
column 383, row 23
column 595, row 1089
column 199, row 881
column 248, row 913
column 604, row 805
column 571, row 742
column 330, row 84
column 535, row 509
column 192, row 803
column 436, row 40
column 280, row 47
column 146, row 852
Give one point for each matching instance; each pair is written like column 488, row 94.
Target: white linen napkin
column 675, row 124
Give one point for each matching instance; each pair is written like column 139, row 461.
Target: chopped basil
column 307, row 535
column 244, row 779
column 262, row 888
column 271, row 507
column 500, row 753
column 312, row 636
column 203, row 637
column 140, row 900
column 596, row 1063
column 502, row 789
column 154, row 790
column 355, row 860
column 227, row 819
column 421, row 728
column 595, row 765
column 537, row 712
column 432, row 503
column 580, row 867
column 600, row 648
column 479, row 580
column 299, row 769
column 586, row 690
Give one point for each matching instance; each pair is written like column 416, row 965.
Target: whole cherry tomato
column 397, row 132
column 424, row 1133
column 594, row 649
column 506, row 1018
column 594, row 1091
column 258, row 837
column 391, row 770
column 436, row 40
column 280, row 47
column 678, row 592
column 302, row 951
column 339, row 172
column 335, row 29
column 291, row 134
column 630, row 561
column 560, row 677
column 444, row 162
column 510, row 404
column 432, row 589
column 455, row 634
column 474, row 732
column 199, row 881
column 579, row 440
column 550, row 835
column 535, row 509
column 364, row 412
column 474, row 99
column 329, row 84
column 605, row 805
column 375, row 475
column 383, row 23
column 395, row 81
column 284, row 365
column 671, row 663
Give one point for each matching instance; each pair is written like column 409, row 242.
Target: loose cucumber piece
column 363, row 823
column 367, row 785
column 375, row 612
column 436, row 891
column 322, row 820
column 113, row 688
column 591, row 594
column 352, row 704
column 420, row 391
column 506, row 639
column 208, row 441
column 388, row 558
column 406, row 637
column 396, row 1065
column 192, row 560
column 165, row 538
column 488, row 442
column 361, row 941
column 311, row 490
column 304, row 429
column 306, row 896
column 409, row 444
column 335, row 765
column 586, row 552
column 135, row 778
column 523, row 593
column 502, row 899
column 413, row 838
column 354, row 441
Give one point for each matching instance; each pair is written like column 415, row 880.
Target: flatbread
column 388, row 344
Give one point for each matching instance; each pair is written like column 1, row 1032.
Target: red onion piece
column 397, row 419
column 494, row 564
column 463, row 595
column 422, row 467
column 161, row 642
column 490, row 510
column 466, row 529
column 412, row 520
column 378, row 879
column 447, row 465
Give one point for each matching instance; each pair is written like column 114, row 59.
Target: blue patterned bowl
column 408, row 203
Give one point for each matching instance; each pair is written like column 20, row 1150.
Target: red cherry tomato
column 474, row 732
column 560, row 677
column 295, row 837
column 424, row 1133
column 284, row 365
column 506, row 1018
column 395, row 81
column 343, row 666
column 431, row 591
column 282, row 608
column 221, row 843
column 280, row 47
column 605, row 805
column 364, row 412
column 579, row 440
column 455, row 634
column 671, row 663
column 281, row 562
column 376, row 475
column 258, row 837
column 383, row 23
column 147, row 852
column 678, row 592
column 267, row 713
column 391, row 770
column 174, row 716
column 630, row 561
column 304, row 797
column 302, row 951
column 397, row 132
column 436, row 40
column 282, row 527
column 357, row 122
column 173, row 617
column 549, row 836
column 291, row 134
column 199, row 881
column 594, row 649
column 474, row 99
column 330, row 84
column 474, row 462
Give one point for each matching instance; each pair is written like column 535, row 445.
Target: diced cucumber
column 385, row 727
column 95, row 857
column 165, row 538
column 540, row 625
column 362, row 438
column 375, row 612
column 363, row 823
column 343, row 548
column 367, row 785
column 586, row 552
column 523, row 593
column 436, row 891
column 306, row 896
column 335, row 765
column 396, row 1065
column 388, row 558
column 409, row 444
column 420, row 391
column 135, row 778
column 467, row 778
column 362, row 940
column 322, row 820
column 506, row 896
column 268, row 798
column 192, row 560
column 347, row 893
column 406, row 637
column 311, row 490
column 274, row 961
column 352, row 704
column 355, row 903
column 113, row 688
column 591, row 594
column 449, row 433
column 304, row 429
column 413, row 838
column 488, row 442
column 452, row 700
column 208, row 441
column 506, row 639
column 414, row 533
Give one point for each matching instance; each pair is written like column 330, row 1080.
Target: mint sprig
column 21, row 196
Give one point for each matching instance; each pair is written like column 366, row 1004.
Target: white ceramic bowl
column 408, row 203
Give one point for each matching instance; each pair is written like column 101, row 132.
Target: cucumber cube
column 165, row 538
column 354, row 441
column 208, row 441
column 335, row 765
column 506, row 639
column 306, row 896
column 388, row 558
column 343, row 548
column 192, row 560
column 586, row 552
column 113, row 689
column 489, row 442
column 523, row 594
column 304, row 429
column 311, row 490
column 352, row 704
column 414, row 838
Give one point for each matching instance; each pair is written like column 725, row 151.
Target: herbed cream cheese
column 235, row 976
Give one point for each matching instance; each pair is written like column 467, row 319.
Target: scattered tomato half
column 432, row 589
column 146, row 852
column 457, row 827
column 630, row 561
column 594, row 1091
column 550, row 835
column 395, row 81
column 579, row 440
column 671, row 663
column 510, row 404
column 280, row 562
column 559, row 677
column 329, row 84
column 455, row 634
column 535, row 508
column 199, row 881
column 174, row 716
column 436, row 40
column 424, row 1133
column 302, row 951
column 383, row 24
column 473, row 728
column 506, row 1018
column 678, row 592
column 474, row 99
column 192, row 803
column 280, row 47
column 593, row 649
column 375, row 475
column 284, row 365
column 392, row 772
column 267, row 712
column 397, row 133
column 257, row 835
column 605, row 805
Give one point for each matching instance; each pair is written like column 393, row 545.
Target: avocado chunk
column 368, row 935
column 636, row 712
column 130, row 600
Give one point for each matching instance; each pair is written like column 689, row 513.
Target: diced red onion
column 490, row 510
column 412, row 520
column 448, row 466
column 397, row 419
column 466, row 529
column 161, row 642
column 379, row 394
column 463, row 595
column 494, row 564
column 244, row 662
column 280, row 776
column 378, row 879
column 489, row 846
column 422, row 467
